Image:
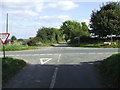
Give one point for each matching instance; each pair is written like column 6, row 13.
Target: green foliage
column 20, row 40
column 49, row 35
column 17, row 47
column 13, row 38
column 87, row 45
column 110, row 69
column 69, row 26
column 66, row 37
column 10, row 66
column 74, row 30
column 33, row 42
column 85, row 30
column 106, row 21
column 95, row 45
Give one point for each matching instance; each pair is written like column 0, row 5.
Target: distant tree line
column 104, row 22
column 46, row 35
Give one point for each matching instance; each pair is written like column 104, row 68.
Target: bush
column 110, row 70
column 33, row 42
column 49, row 35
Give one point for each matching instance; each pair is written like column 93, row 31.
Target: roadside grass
column 46, row 44
column 10, row 66
column 95, row 45
column 110, row 70
column 17, row 47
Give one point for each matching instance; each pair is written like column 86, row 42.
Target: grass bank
column 110, row 71
column 95, row 45
column 10, row 67
column 47, row 44
column 17, row 47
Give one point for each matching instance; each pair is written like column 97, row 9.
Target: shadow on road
column 82, row 75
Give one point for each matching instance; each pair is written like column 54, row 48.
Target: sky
column 27, row 16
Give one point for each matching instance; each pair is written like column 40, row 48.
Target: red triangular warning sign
column 4, row 37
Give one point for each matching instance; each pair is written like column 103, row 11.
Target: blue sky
column 27, row 16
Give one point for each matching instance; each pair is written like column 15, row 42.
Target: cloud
column 22, row 14
column 62, row 5
column 26, row 6
column 30, row 9
column 54, row 19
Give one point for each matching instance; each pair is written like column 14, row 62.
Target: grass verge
column 95, row 45
column 17, row 47
column 110, row 71
column 10, row 67
column 46, row 44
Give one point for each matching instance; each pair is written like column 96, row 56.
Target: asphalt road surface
column 59, row 67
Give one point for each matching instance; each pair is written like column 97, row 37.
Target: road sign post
column 3, row 51
column 3, row 39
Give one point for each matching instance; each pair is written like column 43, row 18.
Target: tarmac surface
column 59, row 67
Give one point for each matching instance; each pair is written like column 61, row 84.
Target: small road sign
column 4, row 37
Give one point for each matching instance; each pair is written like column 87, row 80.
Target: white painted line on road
column 46, row 60
column 99, row 53
column 82, row 53
column 59, row 58
column 54, row 78
column 31, row 54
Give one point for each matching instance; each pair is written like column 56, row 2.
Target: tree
column 69, row 26
column 74, row 30
column 49, row 35
column 85, row 29
column 20, row 40
column 13, row 38
column 106, row 21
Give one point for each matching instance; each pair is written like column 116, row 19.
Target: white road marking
column 100, row 53
column 30, row 54
column 54, row 78
column 58, row 54
column 46, row 60
column 55, row 74
column 59, row 58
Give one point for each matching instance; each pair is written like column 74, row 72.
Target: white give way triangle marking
column 44, row 60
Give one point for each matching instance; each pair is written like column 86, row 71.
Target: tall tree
column 69, row 26
column 106, row 21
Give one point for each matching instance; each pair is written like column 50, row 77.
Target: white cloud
column 54, row 19
column 23, row 13
column 19, row 5
column 62, row 5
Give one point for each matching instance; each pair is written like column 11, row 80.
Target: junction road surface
column 59, row 67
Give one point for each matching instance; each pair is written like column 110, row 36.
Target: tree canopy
column 13, row 38
column 48, row 35
column 73, row 29
column 106, row 21
column 69, row 26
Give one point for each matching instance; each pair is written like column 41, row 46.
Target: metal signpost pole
column 7, row 24
column 4, row 51
column 6, row 32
